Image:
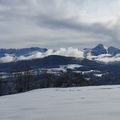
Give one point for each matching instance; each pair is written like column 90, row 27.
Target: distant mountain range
column 101, row 49
column 20, row 52
column 100, row 53
column 60, row 62
column 98, row 58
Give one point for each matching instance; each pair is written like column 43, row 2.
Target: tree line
column 25, row 81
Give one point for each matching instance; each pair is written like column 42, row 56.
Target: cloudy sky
column 59, row 23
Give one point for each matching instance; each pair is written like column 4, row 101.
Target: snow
column 98, row 75
column 70, row 66
column 90, row 71
column 62, row 68
column 82, row 103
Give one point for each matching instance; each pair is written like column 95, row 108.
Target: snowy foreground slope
column 85, row 103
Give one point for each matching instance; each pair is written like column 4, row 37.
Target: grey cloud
column 71, row 24
column 48, row 16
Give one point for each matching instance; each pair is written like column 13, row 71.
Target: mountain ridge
column 99, row 53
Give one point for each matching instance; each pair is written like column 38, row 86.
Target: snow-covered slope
column 84, row 103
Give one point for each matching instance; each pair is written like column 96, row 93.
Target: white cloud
column 105, row 58
column 7, row 58
column 68, row 52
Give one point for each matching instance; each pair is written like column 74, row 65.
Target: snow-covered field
column 85, row 103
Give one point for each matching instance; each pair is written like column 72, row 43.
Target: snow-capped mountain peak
column 98, row 50
column 102, row 53
column 113, row 50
